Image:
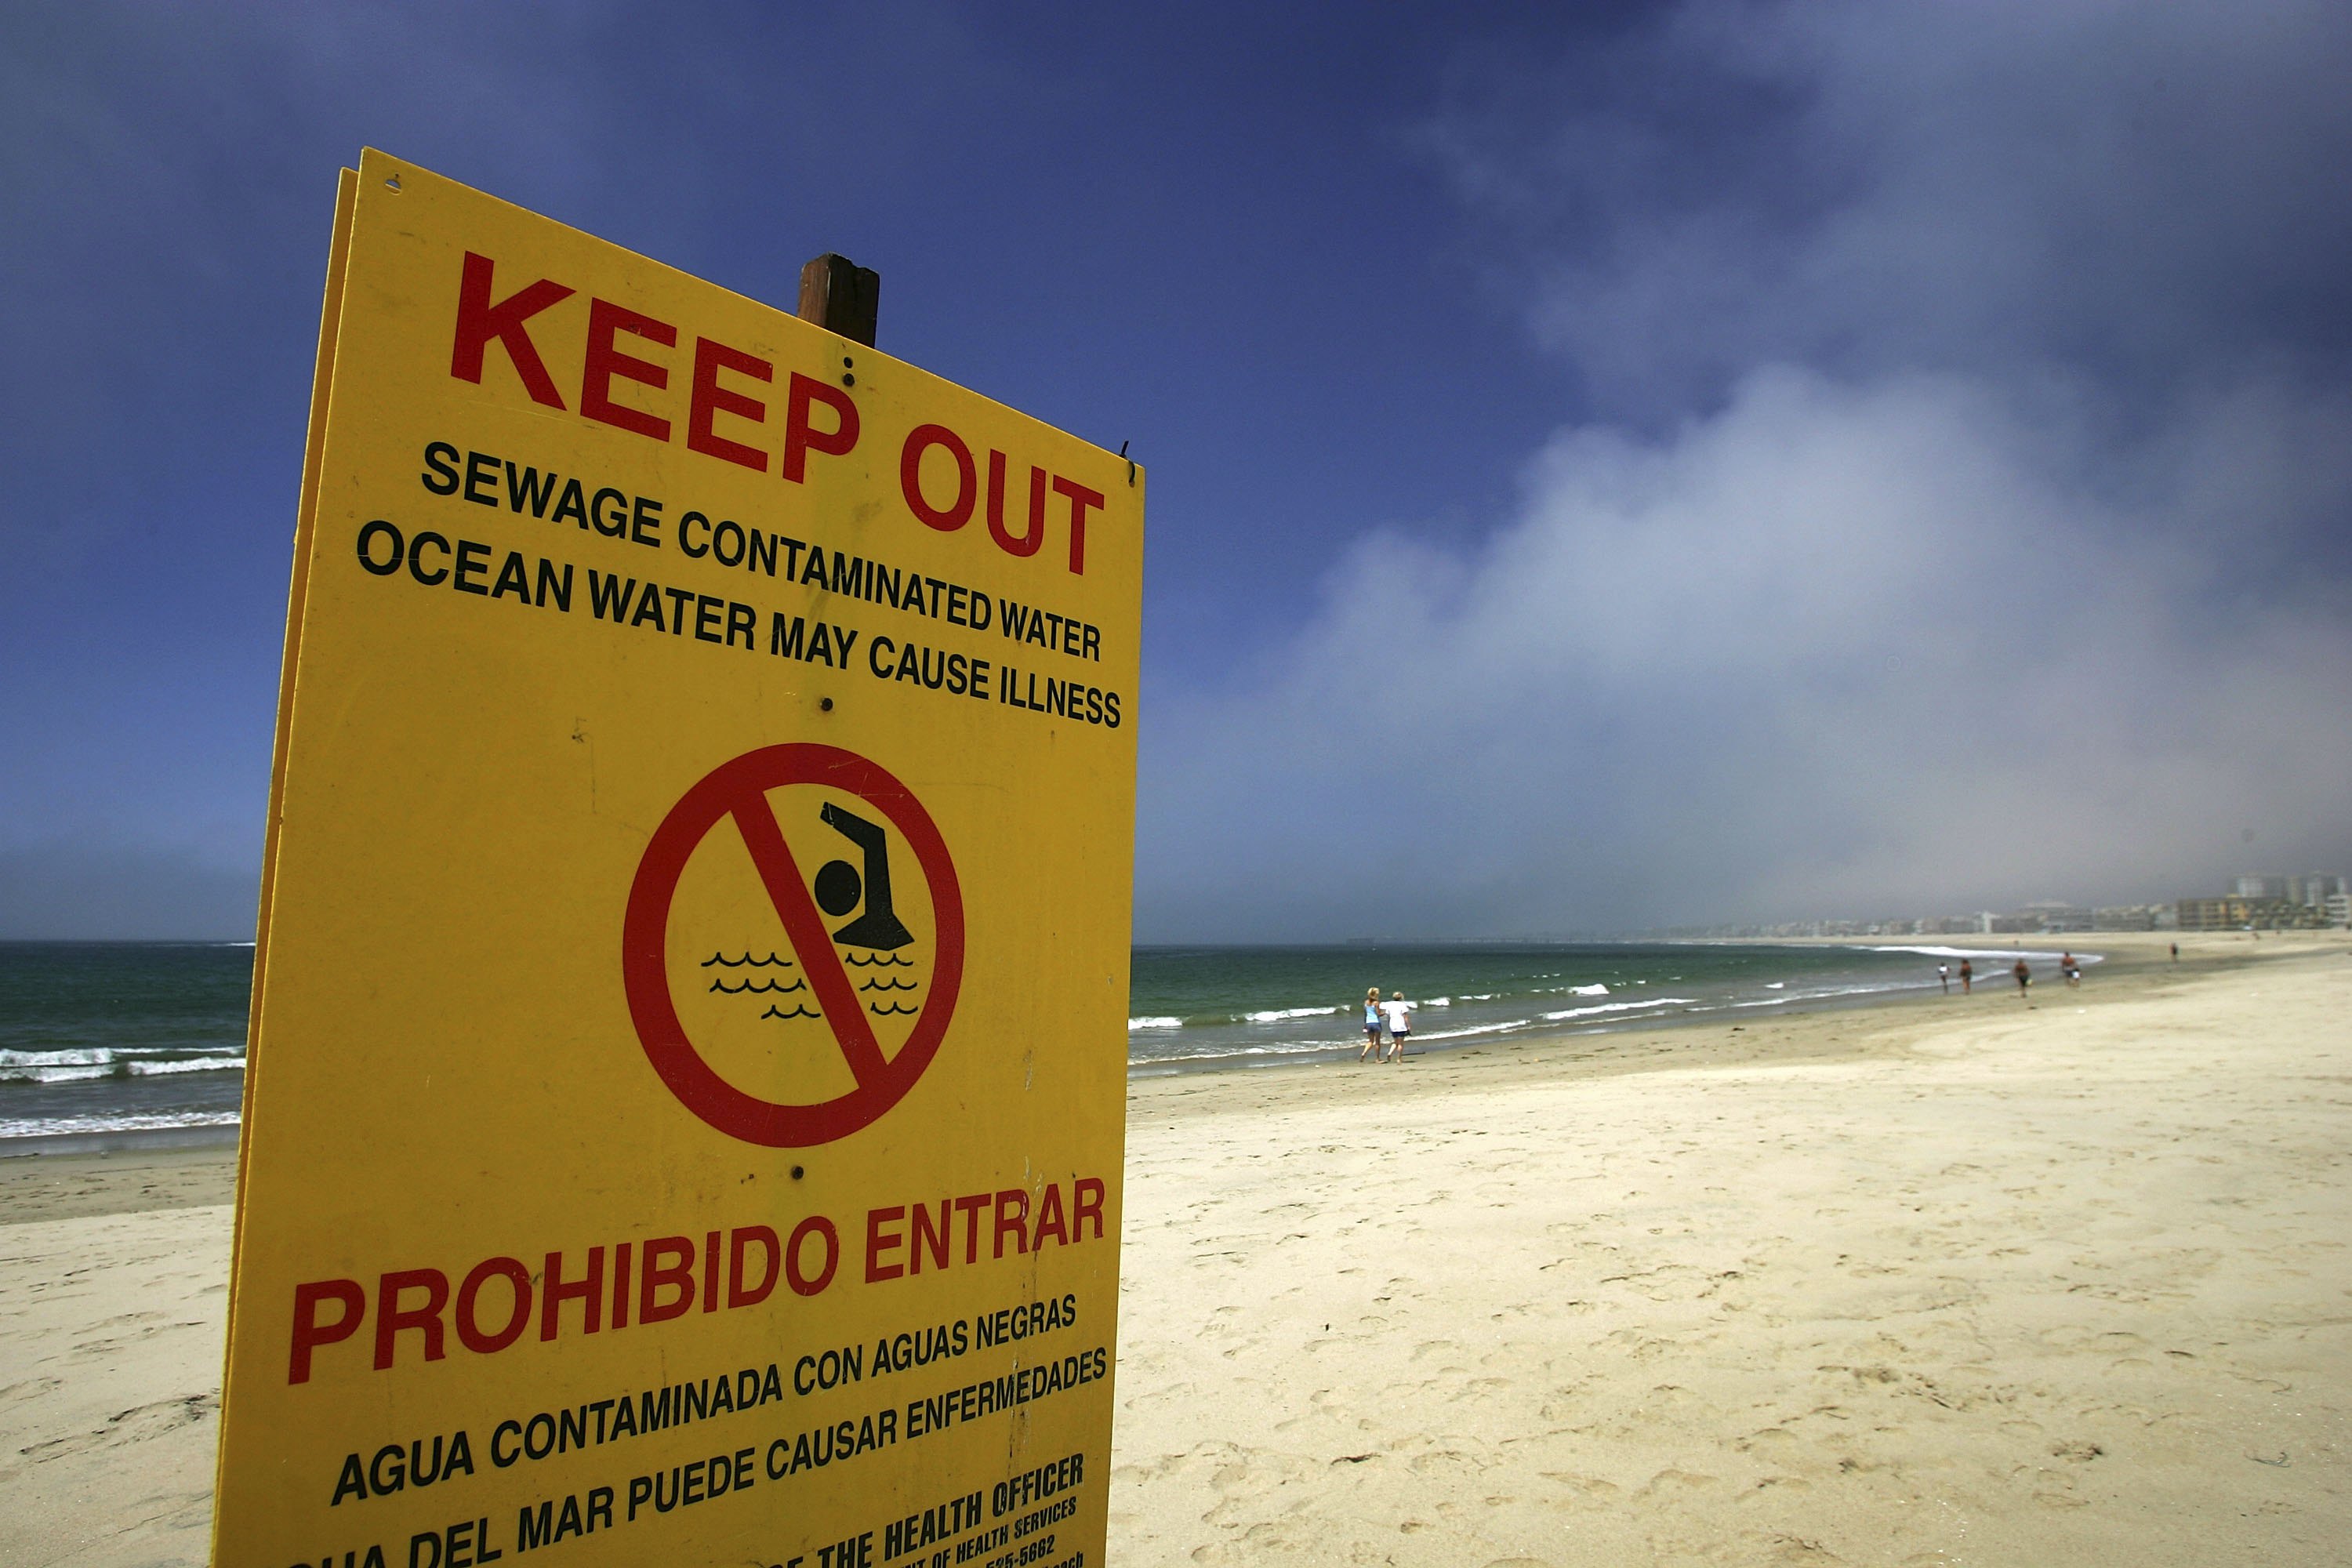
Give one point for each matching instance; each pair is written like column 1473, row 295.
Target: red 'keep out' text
column 939, row 473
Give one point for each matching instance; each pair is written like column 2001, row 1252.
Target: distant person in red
column 2024, row 975
column 1967, row 976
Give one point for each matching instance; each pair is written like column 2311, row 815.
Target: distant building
column 2260, row 914
column 2214, row 914
column 2307, row 902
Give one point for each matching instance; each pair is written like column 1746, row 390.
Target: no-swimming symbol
column 737, row 789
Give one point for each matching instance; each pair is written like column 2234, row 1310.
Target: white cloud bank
column 1835, row 649
column 1967, row 520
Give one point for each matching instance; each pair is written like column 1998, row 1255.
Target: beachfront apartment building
column 2294, row 903
column 2215, row 914
column 2260, row 914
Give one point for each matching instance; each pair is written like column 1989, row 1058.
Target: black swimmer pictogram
column 840, row 889
column 838, row 884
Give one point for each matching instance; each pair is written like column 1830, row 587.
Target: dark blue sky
column 1541, row 404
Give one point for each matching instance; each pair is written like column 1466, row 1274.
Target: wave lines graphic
column 771, row 961
column 879, row 961
column 757, row 986
column 892, row 1010
column 796, row 1013
column 888, row 984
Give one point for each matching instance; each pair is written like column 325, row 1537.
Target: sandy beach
column 1967, row 1281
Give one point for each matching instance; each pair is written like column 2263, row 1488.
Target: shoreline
column 2108, row 955
column 91, row 1173
column 2121, row 955
column 2125, row 955
column 1811, row 1029
column 120, row 1140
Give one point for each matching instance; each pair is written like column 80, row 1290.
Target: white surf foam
column 1642, row 1006
column 84, row 1063
column 85, row 1058
column 1477, row 1029
column 46, row 1127
column 53, row 1074
column 2012, row 954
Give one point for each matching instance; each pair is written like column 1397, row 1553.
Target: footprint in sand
column 1592, row 1487
column 141, row 1425
column 1673, row 1483
column 1773, row 1442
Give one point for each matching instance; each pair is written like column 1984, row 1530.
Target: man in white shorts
column 1400, row 1016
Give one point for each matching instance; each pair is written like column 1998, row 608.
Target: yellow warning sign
column 684, row 1107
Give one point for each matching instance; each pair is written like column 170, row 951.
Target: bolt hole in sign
column 685, row 1096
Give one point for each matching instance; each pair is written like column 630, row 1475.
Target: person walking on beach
column 1371, row 1025
column 1944, row 973
column 2024, row 976
column 2175, row 952
column 2070, row 969
column 1967, row 976
column 1400, row 1019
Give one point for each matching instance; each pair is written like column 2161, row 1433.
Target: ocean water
column 1194, row 1007
column 137, row 1037
column 122, row 1037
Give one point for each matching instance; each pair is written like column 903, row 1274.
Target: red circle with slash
column 737, row 789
